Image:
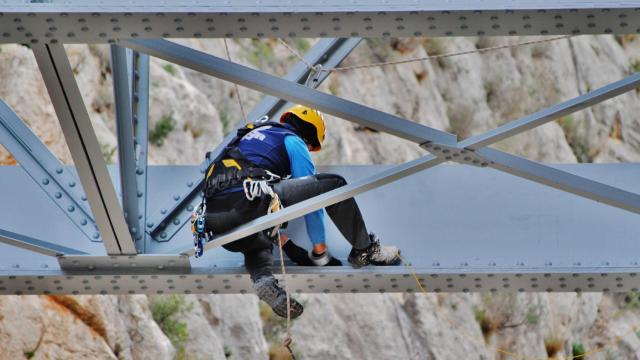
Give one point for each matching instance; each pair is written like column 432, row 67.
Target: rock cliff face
column 467, row 95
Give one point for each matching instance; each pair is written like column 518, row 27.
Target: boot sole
column 278, row 304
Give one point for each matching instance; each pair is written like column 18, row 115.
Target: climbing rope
column 288, row 340
column 471, row 338
column 244, row 115
column 425, row 58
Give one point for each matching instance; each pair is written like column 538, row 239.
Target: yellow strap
column 231, row 163
column 210, row 171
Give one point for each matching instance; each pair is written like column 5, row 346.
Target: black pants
column 225, row 212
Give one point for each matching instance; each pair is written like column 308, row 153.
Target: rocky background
column 467, row 95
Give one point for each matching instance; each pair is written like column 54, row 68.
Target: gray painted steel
column 299, row 94
column 83, row 145
column 140, row 98
column 82, row 22
column 176, row 212
column 122, row 68
column 536, row 239
column 561, row 180
column 35, row 245
column 45, row 169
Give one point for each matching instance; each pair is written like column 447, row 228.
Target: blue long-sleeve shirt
column 302, row 165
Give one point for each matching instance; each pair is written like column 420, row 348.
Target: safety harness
column 232, row 169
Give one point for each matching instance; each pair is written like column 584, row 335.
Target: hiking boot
column 268, row 291
column 375, row 254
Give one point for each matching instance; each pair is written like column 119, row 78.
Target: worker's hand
column 300, row 256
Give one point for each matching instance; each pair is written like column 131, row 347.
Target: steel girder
column 176, row 212
column 496, row 233
column 69, row 21
column 85, row 150
column 131, row 94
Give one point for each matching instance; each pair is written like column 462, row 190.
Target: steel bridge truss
column 109, row 236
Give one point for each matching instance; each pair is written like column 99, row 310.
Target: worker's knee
column 338, row 180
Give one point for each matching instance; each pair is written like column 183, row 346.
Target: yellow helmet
column 308, row 123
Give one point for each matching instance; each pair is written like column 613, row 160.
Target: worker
column 250, row 179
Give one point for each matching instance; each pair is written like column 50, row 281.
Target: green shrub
column 635, row 65
column 302, row 44
column 107, row 152
column 166, row 312
column 169, row 68
column 161, row 130
column 578, row 351
column 260, row 52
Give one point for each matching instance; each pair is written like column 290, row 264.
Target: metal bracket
column 452, row 153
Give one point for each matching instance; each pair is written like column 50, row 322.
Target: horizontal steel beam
column 71, row 21
column 320, row 201
column 35, row 245
column 83, row 145
column 176, row 212
column 544, row 236
column 323, row 280
column 296, row 93
column 544, row 116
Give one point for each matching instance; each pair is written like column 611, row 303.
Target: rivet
column 134, row 230
column 176, row 221
column 72, row 183
column 71, row 208
column 190, row 184
column 140, row 194
column 163, row 235
column 83, row 198
column 163, row 211
column 139, row 171
column 45, row 181
column 466, row 158
column 96, row 235
column 190, row 208
column 149, row 224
